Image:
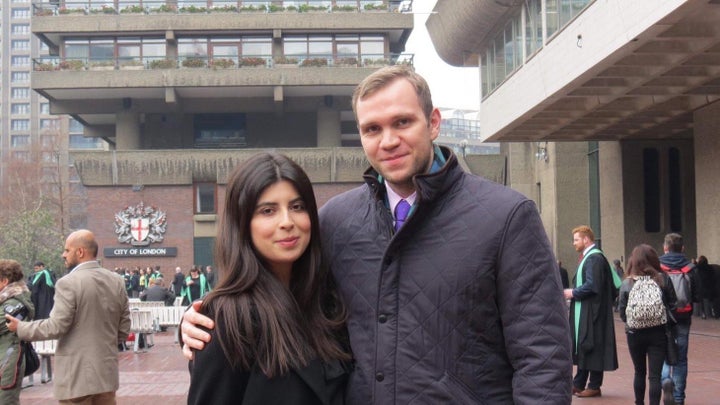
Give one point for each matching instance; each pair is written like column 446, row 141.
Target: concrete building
column 607, row 111
column 183, row 91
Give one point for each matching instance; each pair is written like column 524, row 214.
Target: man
column 42, row 289
column 158, row 293
column 591, row 315
column 178, row 280
column 459, row 305
column 674, row 260
column 90, row 317
column 210, row 276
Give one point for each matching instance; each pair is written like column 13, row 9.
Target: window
column 48, row 141
column 19, row 125
column 20, row 60
column 75, row 126
column 84, row 142
column 217, row 130
column 49, row 124
column 20, row 92
column 20, row 77
column 45, row 108
column 20, row 108
column 204, row 198
column 20, row 13
column 21, row 155
column 19, row 44
column 21, row 28
column 17, row 141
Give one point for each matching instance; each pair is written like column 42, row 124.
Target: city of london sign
column 139, row 226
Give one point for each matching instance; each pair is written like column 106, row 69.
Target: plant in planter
column 103, row 10
column 306, row 8
column 163, row 64
column 222, row 63
column 165, row 8
column 252, row 62
column 74, row 64
column 376, row 62
column 66, row 11
column 350, row 61
column 291, row 8
column 345, row 8
column 132, row 10
column 251, row 8
column 286, row 61
column 314, row 62
column 132, row 64
column 43, row 12
column 275, row 8
column 193, row 63
column 224, row 9
column 193, row 9
column 45, row 67
column 102, row 65
column 375, row 7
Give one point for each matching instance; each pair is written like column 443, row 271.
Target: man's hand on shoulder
column 192, row 336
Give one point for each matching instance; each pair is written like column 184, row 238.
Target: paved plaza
column 159, row 376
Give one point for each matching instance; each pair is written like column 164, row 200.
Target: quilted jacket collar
column 429, row 186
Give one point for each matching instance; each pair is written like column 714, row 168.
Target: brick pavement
column 159, row 376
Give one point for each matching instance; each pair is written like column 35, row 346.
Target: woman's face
column 280, row 228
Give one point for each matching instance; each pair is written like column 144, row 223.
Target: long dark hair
column 644, row 261
column 259, row 320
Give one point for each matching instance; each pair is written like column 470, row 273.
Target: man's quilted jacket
column 462, row 306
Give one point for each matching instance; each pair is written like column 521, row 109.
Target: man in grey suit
column 89, row 318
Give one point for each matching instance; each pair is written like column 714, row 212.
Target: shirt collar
column 394, row 198
column 92, row 262
column 587, row 249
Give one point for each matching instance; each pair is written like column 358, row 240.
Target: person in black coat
column 707, row 287
column 279, row 335
column 42, row 289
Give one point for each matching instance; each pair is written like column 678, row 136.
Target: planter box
column 286, row 65
column 102, row 67
column 132, row 67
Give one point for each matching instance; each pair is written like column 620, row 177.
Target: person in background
column 707, row 286
column 14, row 298
column 648, row 346
column 438, row 313
column 592, row 294
column 617, row 266
column 178, row 280
column 158, row 293
column 90, row 318
column 195, row 286
column 210, row 276
column 564, row 278
column 42, row 289
column 278, row 320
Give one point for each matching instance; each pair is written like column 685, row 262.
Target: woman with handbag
column 15, row 300
column 646, row 298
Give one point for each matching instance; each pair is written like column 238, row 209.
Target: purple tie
column 401, row 213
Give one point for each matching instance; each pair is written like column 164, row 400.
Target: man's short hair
column 39, row 264
column 673, row 242
column 584, row 230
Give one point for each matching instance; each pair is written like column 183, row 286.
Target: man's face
column 580, row 242
column 395, row 134
column 71, row 255
column 38, row 268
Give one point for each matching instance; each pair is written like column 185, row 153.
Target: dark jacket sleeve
column 530, row 299
column 212, row 379
column 669, row 296
column 625, row 288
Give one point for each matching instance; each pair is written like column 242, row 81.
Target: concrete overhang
column 609, row 78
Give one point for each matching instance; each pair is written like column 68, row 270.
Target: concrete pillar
column 328, row 127
column 127, row 130
column 707, row 186
column 612, row 207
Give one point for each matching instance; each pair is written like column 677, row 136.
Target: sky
column 451, row 87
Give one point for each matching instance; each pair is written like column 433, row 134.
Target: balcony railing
column 51, row 63
column 113, row 7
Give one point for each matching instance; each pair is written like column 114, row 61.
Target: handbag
column 32, row 360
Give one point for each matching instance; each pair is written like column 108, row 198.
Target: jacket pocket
column 458, row 390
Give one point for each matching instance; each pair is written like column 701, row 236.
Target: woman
column 648, row 346
column 195, row 286
column 15, row 299
column 278, row 321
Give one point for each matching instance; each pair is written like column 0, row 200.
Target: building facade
column 607, row 111
column 183, row 91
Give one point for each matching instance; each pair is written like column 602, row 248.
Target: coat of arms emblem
column 140, row 225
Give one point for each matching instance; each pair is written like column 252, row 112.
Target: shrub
column 193, row 9
column 345, row 8
column 251, row 61
column 314, row 62
column 347, row 61
column 102, row 63
column 45, row 67
column 284, row 60
column 261, row 7
column 132, row 10
column 165, row 8
column 74, row 64
column 372, row 7
column 225, row 9
column 222, row 63
column 304, row 8
column 193, row 63
column 163, row 64
column 275, row 8
column 379, row 61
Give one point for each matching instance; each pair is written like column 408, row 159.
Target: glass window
column 20, row 77
column 20, row 13
column 20, row 60
column 20, row 28
column 20, row 125
column 83, row 142
column 19, row 44
column 77, row 48
column 192, row 47
column 372, row 47
column 101, row 49
column 20, row 92
column 204, row 198
column 20, row 108
column 47, row 124
column 48, row 141
column 257, row 46
column 45, row 108
column 76, row 126
column 17, row 141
